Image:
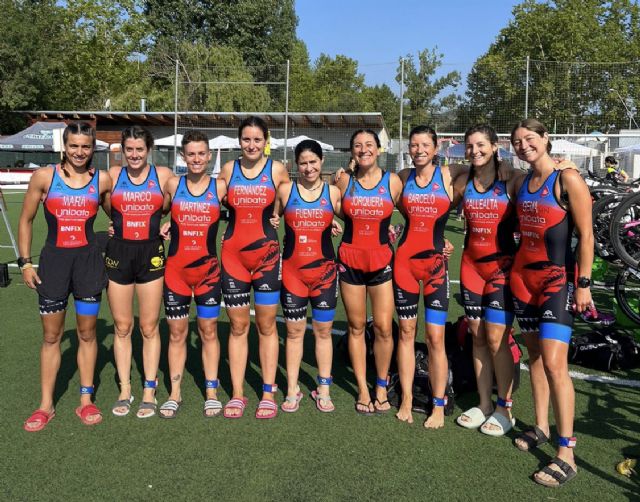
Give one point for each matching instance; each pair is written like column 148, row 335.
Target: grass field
column 301, row 456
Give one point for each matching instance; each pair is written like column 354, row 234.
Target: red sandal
column 39, row 419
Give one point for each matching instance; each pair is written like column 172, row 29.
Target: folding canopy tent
column 38, row 137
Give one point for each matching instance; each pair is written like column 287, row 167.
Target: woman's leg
column 294, row 349
column 52, row 331
column 355, row 304
column 208, row 331
column 87, row 357
column 177, row 355
column 539, row 386
column 498, row 342
column 121, row 304
column 238, row 351
column 383, row 308
column 407, row 366
column 556, row 367
column 324, row 352
column 438, row 371
column 149, row 299
column 268, row 347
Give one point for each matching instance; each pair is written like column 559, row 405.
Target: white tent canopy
column 169, row 140
column 634, row 149
column 564, row 147
column 223, row 142
column 293, row 142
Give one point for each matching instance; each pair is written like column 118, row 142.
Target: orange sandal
column 89, row 410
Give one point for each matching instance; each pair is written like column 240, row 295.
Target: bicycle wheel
column 627, row 291
column 602, row 212
column 625, row 230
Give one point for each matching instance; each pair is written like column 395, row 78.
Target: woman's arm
column 580, row 209
column 38, row 186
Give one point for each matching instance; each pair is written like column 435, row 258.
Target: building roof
column 372, row 120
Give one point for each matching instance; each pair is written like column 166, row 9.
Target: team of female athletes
column 535, row 281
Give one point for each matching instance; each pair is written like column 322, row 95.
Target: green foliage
column 423, row 90
column 553, row 34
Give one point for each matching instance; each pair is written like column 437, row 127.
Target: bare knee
column 382, row 330
column 323, row 333
column 295, row 333
column 435, row 342
column 123, row 329
column 178, row 335
column 555, row 370
column 52, row 337
column 239, row 327
column 149, row 330
column 208, row 334
column 407, row 334
column 86, row 335
column 495, row 343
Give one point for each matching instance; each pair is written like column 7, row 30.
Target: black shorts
column 130, row 262
column 357, row 277
column 62, row 272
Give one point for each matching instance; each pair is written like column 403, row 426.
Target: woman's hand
column 338, row 174
column 30, row 276
column 395, row 231
column 164, row 230
column 275, row 221
column 110, row 230
column 336, row 228
column 582, row 300
column 448, row 249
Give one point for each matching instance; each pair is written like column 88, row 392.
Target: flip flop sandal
column 323, row 403
column 39, row 419
column 172, row 406
column 367, row 412
column 565, row 474
column 212, row 405
column 381, row 382
column 268, row 405
column 238, row 403
column 84, row 412
column 476, row 418
column 501, row 423
column 531, row 442
column 122, row 403
column 292, row 400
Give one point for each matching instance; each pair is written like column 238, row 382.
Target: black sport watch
column 584, row 282
column 23, row 261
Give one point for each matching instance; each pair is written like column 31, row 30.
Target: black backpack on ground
column 605, row 350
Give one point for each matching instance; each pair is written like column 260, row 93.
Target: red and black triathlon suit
column 135, row 253
column 309, row 272
column 71, row 261
column 250, row 251
column 543, row 272
column 365, row 255
column 419, row 254
column 488, row 253
column 192, row 262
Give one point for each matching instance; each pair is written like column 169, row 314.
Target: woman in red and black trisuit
column 489, row 248
column 251, row 258
column 421, row 258
column 192, row 270
column 70, row 263
column 365, row 263
column 135, row 264
column 309, row 271
column 550, row 205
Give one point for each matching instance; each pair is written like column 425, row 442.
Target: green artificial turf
column 302, row 456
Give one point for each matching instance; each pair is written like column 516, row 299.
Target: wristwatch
column 23, row 261
column 584, row 282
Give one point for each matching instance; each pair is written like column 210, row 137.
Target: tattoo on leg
column 176, row 378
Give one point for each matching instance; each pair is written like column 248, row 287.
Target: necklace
column 314, row 188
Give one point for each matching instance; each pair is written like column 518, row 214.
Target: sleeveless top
column 70, row 212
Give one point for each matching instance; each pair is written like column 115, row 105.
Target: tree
column 568, row 42
column 380, row 98
column 423, row 90
column 88, row 63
